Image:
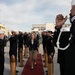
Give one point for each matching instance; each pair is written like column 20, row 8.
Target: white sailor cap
column 1, row 32
column 14, row 30
column 73, row 2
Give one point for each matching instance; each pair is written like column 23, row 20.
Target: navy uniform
column 2, row 44
column 49, row 44
column 13, row 46
column 25, row 37
column 64, row 40
column 38, row 37
column 44, row 38
column 70, row 53
column 20, row 44
column 20, row 40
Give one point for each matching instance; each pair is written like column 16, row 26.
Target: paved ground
column 7, row 70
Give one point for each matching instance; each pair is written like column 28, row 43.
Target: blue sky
column 21, row 14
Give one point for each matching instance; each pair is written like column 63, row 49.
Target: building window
column 43, row 28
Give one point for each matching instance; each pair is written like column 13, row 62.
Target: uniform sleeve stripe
column 73, row 18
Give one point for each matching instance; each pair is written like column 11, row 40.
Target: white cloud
column 21, row 15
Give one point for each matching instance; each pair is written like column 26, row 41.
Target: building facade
column 4, row 29
column 42, row 27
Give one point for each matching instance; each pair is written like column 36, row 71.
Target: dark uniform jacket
column 70, row 53
column 2, row 44
column 20, row 41
column 64, row 40
column 44, row 38
column 13, row 45
column 49, row 45
column 26, row 38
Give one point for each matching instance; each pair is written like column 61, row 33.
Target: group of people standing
column 63, row 40
column 16, row 42
column 47, row 41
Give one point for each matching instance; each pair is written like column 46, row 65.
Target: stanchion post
column 26, row 52
column 21, row 57
column 46, row 59
column 13, row 65
column 50, row 61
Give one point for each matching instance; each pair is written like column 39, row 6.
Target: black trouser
column 1, row 68
column 18, row 55
column 1, row 65
column 62, row 68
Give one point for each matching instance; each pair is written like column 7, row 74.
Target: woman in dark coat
column 33, row 48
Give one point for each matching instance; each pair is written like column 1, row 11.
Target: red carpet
column 38, row 69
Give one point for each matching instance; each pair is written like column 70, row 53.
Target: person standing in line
column 13, row 46
column 49, row 44
column 20, row 44
column 63, row 42
column 2, row 44
column 44, row 38
column 33, row 48
column 26, row 38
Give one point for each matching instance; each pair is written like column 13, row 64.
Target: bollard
column 46, row 59
column 21, row 58
column 50, row 61
column 26, row 52
column 13, row 65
